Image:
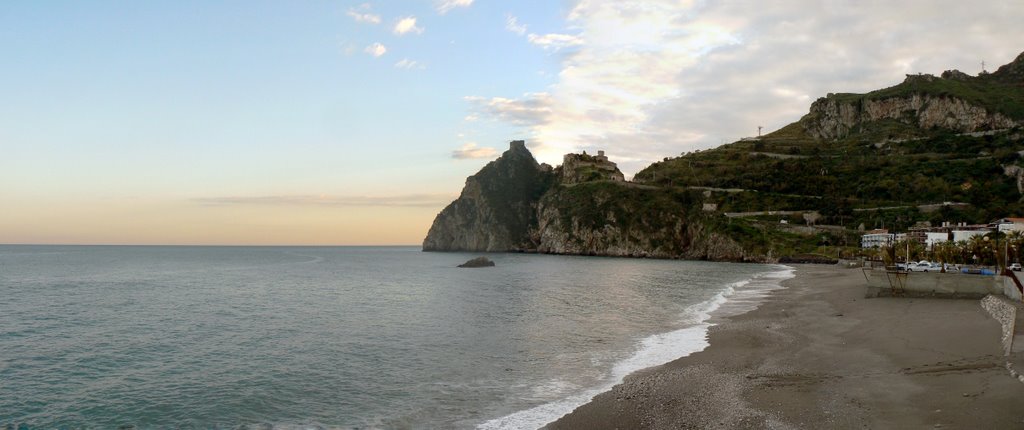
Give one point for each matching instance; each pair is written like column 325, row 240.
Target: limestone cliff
column 496, row 209
column 835, row 118
column 954, row 102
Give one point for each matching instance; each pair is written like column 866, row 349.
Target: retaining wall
column 935, row 284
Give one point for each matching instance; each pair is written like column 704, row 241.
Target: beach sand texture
column 819, row 355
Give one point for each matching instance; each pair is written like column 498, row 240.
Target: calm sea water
column 346, row 337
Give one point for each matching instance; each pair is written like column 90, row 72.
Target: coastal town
column 948, row 246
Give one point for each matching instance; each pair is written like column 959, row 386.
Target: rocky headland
column 583, row 207
column 854, row 161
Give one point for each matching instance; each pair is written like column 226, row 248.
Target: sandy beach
column 816, row 355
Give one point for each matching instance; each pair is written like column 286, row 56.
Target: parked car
column 925, row 266
column 1015, row 267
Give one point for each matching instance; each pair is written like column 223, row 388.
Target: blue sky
column 352, row 122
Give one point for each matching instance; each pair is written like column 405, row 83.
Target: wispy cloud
column 512, row 24
column 472, row 151
column 554, row 41
column 406, row 63
column 362, row 14
column 444, row 6
column 409, row 200
column 407, row 25
column 532, row 109
column 347, row 47
column 376, row 49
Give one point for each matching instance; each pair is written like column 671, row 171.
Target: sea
column 339, row 337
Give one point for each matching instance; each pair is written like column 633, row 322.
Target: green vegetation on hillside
column 837, row 179
column 599, row 203
column 880, row 173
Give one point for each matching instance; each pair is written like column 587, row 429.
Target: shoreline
column 817, row 354
column 660, row 348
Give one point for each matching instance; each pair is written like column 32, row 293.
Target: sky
column 354, row 122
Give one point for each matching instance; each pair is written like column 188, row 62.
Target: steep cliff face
column 496, row 209
column 834, row 118
column 954, row 101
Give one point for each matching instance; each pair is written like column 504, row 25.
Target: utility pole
column 908, row 253
column 759, row 130
column 982, row 66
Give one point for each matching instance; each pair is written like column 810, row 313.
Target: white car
column 1015, row 267
column 924, row 266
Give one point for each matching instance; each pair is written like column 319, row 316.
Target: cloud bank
column 471, row 151
column 409, row 200
column 645, row 80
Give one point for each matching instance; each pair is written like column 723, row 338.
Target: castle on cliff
column 585, row 167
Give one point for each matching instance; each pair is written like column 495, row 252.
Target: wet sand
column 819, row 355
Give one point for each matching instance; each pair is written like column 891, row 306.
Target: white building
column 931, row 238
column 876, row 239
column 1007, row 225
column 966, row 233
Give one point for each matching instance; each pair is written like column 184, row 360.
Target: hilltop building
column 585, row 167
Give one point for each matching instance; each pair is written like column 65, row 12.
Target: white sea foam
column 658, row 349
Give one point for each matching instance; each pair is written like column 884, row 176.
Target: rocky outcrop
column 835, row 118
column 497, row 207
column 1012, row 72
column 954, row 101
column 617, row 220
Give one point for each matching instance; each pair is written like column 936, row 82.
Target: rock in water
column 478, row 262
column 497, row 207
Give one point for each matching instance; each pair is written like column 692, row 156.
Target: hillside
column 928, row 140
column 930, row 149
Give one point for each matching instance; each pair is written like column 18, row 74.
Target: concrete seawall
column 932, row 284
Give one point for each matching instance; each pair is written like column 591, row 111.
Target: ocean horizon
column 339, row 337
